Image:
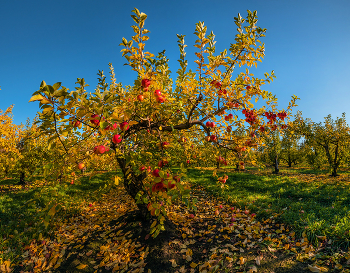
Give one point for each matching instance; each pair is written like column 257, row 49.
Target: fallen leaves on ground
column 218, row 237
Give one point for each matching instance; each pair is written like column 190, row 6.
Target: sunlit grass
column 316, row 204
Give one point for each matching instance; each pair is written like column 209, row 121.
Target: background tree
column 10, row 135
column 292, row 149
column 332, row 136
column 270, row 151
column 142, row 123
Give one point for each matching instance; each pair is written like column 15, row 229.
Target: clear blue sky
column 307, row 44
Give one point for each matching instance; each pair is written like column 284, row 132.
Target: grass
column 24, row 209
column 80, row 237
column 315, row 204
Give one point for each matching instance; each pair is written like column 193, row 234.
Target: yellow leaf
column 193, row 265
column 81, row 266
column 189, row 252
column 154, row 223
column 133, row 122
column 173, row 263
column 116, row 180
column 241, row 260
column 37, row 97
column 317, row 268
column 52, row 211
column 229, row 259
column 47, row 110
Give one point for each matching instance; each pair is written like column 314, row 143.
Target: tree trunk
column 335, row 163
column 133, row 184
column 276, row 166
column 289, row 162
column 21, row 179
column 217, row 165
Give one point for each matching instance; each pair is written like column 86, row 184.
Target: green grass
column 318, row 207
column 22, row 210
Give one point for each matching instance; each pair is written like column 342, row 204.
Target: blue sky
column 307, row 45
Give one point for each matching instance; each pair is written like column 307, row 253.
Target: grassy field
column 43, row 223
column 309, row 201
column 23, row 210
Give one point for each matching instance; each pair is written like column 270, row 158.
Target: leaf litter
column 107, row 237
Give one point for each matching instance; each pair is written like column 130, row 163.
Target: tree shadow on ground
column 130, row 224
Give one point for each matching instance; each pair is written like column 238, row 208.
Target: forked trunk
column 133, row 184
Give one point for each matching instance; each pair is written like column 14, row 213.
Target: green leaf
column 103, row 124
column 156, row 233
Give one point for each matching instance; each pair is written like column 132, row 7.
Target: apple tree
column 332, row 137
column 10, row 135
column 141, row 124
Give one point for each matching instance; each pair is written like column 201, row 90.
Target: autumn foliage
column 141, row 124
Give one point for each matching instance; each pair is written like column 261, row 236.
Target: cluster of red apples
column 145, row 83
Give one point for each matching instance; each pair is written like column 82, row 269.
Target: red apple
column 155, row 173
column 145, row 84
column 140, row 97
column 165, row 144
column 176, row 178
column 157, row 93
column 117, row 139
column 160, row 99
column 90, row 205
column 191, row 216
column 99, row 149
column 188, row 162
column 81, row 166
column 95, row 119
column 124, row 126
column 112, row 127
column 76, row 123
column 142, row 168
column 213, row 138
